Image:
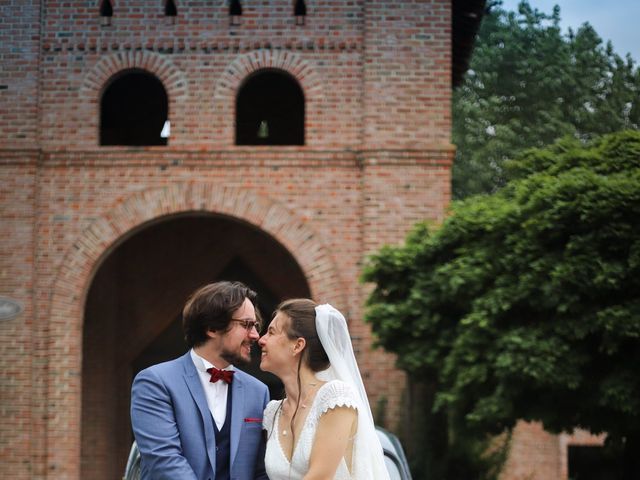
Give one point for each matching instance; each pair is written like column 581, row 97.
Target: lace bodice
column 330, row 395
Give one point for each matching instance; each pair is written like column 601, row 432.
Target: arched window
column 300, row 11
column 106, row 12
column 235, row 12
column 270, row 110
column 106, row 9
column 170, row 9
column 133, row 110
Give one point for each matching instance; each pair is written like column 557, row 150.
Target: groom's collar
column 202, row 364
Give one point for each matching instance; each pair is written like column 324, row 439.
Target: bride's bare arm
column 333, row 439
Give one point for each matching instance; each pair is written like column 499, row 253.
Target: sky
column 615, row 20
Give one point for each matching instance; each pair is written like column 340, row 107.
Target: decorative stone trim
column 178, row 46
column 172, row 78
column 237, row 71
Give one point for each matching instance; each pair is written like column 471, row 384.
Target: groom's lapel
column 237, row 413
column 195, row 388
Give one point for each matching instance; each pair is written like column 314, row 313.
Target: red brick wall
column 22, row 380
column 377, row 86
column 535, row 454
column 407, row 88
column 19, row 63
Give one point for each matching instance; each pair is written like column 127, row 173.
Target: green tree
column 527, row 86
column 525, row 304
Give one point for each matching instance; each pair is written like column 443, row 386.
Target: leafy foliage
column 528, row 85
column 525, row 304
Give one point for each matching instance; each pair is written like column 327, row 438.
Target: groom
column 197, row 417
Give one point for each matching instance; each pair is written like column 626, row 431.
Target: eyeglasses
column 248, row 324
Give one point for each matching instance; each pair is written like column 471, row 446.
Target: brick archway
column 237, row 71
column 105, row 234
column 93, row 84
column 171, row 77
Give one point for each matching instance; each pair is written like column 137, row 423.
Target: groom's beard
column 236, row 358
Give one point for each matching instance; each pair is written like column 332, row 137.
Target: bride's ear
column 299, row 345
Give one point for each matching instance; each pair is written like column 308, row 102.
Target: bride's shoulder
column 336, row 393
column 270, row 412
column 336, row 386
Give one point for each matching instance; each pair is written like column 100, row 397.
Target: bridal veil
column 368, row 458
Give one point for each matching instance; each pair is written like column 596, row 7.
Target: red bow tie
column 217, row 374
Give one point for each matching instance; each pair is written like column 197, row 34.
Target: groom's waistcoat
column 223, row 443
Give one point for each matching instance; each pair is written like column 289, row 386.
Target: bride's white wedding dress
column 330, row 395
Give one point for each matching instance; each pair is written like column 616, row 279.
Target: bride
column 323, row 428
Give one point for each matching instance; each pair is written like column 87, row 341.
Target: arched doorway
column 132, row 313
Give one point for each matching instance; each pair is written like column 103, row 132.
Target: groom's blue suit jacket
column 173, row 426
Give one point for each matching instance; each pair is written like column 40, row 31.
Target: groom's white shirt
column 216, row 393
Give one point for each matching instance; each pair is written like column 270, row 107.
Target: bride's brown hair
column 301, row 313
column 302, row 324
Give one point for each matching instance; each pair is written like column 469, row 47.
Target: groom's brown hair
column 210, row 308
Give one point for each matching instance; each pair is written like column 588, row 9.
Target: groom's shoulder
column 250, row 380
column 164, row 368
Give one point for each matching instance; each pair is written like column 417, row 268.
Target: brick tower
column 149, row 147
